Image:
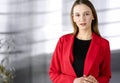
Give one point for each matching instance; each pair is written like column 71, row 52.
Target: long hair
column 94, row 24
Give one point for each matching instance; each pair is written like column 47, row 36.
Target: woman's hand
column 90, row 79
column 85, row 79
column 79, row 80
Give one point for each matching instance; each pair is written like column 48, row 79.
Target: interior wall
column 30, row 29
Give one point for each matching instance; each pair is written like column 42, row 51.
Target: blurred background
column 29, row 31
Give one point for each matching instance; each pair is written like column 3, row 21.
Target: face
column 82, row 16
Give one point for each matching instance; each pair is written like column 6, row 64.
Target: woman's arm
column 105, row 67
column 55, row 71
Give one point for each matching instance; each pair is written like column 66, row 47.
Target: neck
column 84, row 35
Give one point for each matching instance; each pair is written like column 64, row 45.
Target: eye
column 86, row 13
column 77, row 15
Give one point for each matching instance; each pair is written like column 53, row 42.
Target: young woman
column 82, row 56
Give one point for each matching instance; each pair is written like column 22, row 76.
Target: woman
column 82, row 56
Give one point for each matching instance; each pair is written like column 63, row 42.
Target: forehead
column 81, row 8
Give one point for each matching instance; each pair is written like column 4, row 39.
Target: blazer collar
column 91, row 54
column 90, row 57
column 70, row 57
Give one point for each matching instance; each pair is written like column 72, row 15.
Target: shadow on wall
column 115, row 66
column 33, row 69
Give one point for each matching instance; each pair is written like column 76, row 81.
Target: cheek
column 75, row 19
column 89, row 20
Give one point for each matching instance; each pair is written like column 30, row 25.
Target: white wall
column 109, row 20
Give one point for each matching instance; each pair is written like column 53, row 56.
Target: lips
column 83, row 24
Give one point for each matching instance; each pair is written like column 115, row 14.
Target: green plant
column 6, row 71
column 5, row 75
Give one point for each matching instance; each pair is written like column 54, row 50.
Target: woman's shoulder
column 67, row 36
column 102, row 40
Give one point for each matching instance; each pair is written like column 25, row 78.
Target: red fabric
column 97, row 62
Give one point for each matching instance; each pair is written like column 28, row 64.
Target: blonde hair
column 94, row 25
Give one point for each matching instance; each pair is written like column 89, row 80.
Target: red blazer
column 97, row 62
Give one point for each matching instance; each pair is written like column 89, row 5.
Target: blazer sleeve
column 55, row 70
column 105, row 67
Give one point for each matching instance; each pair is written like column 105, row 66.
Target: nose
column 82, row 18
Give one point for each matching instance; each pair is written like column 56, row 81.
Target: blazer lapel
column 90, row 57
column 70, row 56
column 91, row 54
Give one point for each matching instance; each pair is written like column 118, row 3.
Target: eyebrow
column 87, row 11
column 83, row 12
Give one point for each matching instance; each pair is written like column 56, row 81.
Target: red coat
column 97, row 62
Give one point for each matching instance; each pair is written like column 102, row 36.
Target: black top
column 80, row 49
